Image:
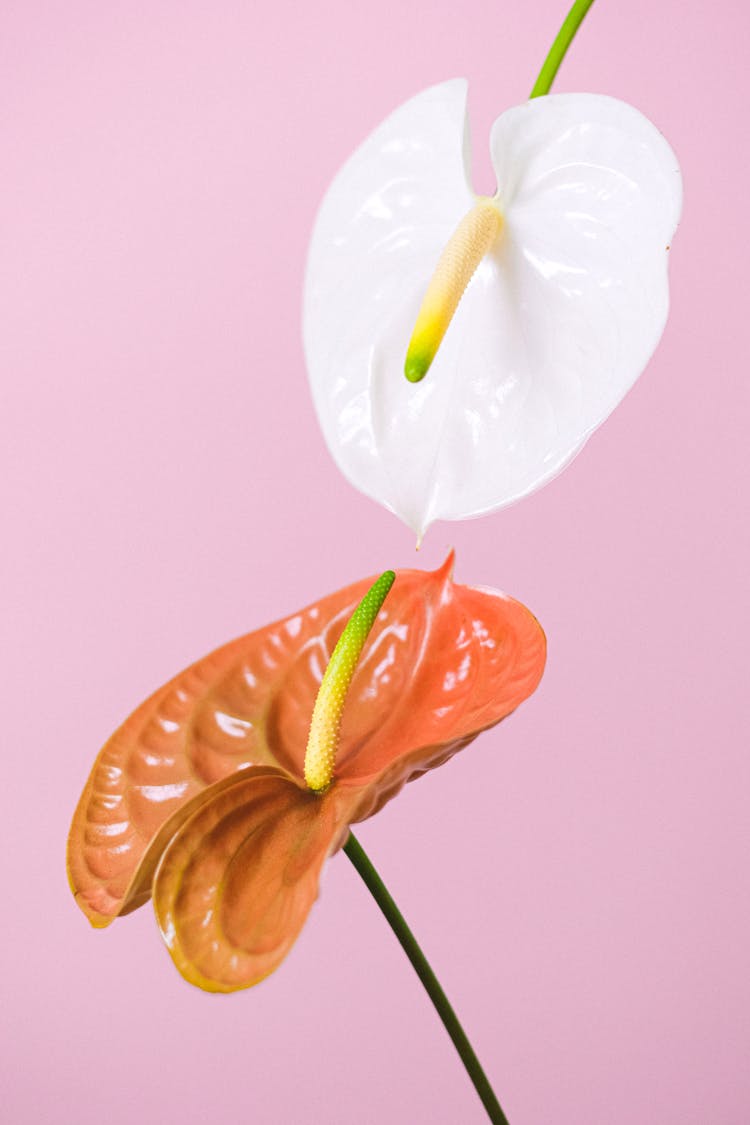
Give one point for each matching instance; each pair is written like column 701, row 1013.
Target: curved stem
column 559, row 48
column 409, row 944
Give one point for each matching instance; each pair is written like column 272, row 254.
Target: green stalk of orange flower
column 424, row 971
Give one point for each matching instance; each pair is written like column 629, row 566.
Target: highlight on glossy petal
column 329, row 705
column 557, row 323
column 200, row 797
column 468, row 244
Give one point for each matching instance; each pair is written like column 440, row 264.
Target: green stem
column 559, row 48
column 409, row 944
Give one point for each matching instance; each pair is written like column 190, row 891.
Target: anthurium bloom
column 566, row 296
column 200, row 798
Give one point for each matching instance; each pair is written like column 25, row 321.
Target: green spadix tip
column 368, row 609
column 416, row 367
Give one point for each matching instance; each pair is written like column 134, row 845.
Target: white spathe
column 556, row 325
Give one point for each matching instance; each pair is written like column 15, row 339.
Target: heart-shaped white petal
column 556, row 325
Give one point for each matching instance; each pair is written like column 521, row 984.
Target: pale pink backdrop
column 579, row 876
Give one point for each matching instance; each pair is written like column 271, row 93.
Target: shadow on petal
column 237, row 881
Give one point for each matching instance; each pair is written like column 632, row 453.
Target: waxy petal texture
column 236, row 883
column 557, row 323
column 204, row 786
column 201, row 727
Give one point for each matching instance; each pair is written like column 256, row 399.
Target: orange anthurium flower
column 200, row 798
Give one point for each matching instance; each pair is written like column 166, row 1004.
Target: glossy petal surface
column 213, row 719
column 236, row 883
column 557, row 323
column 443, row 662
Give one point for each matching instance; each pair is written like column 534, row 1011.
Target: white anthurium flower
column 566, row 301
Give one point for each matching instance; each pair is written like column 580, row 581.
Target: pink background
column 579, row 876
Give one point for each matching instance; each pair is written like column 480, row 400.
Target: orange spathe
column 199, row 798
